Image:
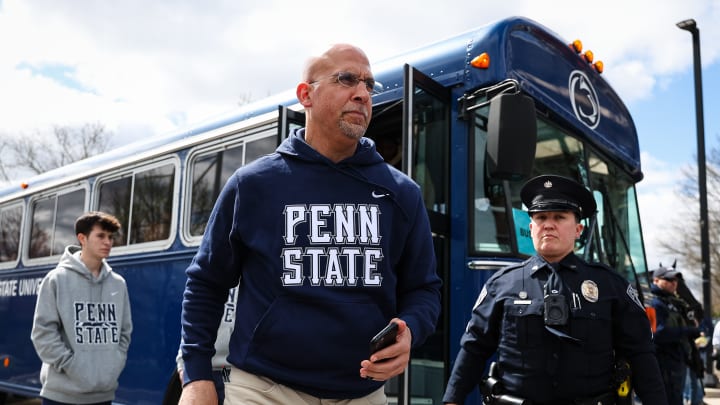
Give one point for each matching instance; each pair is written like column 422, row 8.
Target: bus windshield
column 500, row 223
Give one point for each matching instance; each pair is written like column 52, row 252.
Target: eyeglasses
column 349, row 79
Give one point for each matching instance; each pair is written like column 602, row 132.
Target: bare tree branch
column 39, row 152
column 684, row 240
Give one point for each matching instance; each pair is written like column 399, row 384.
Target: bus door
column 289, row 120
column 426, row 146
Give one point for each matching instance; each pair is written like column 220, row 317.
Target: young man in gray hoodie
column 82, row 323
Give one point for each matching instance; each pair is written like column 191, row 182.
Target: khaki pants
column 245, row 388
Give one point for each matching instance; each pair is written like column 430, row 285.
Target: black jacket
column 563, row 363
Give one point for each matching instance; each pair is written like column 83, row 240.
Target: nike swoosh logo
column 377, row 195
column 114, row 293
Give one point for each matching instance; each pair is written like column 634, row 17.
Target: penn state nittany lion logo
column 584, row 99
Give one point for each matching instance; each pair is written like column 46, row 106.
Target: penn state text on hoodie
column 328, row 254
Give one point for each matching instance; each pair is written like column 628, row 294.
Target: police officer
column 674, row 334
column 557, row 323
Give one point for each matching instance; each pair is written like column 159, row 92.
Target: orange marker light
column 576, row 45
column 6, row 362
column 589, row 56
column 599, row 66
column 24, row 185
column 481, row 61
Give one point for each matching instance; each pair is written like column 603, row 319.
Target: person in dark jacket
column 674, row 336
column 331, row 243
column 558, row 324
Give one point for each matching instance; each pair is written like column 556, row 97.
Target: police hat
column 556, row 193
column 666, row 273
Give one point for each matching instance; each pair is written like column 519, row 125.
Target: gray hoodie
column 219, row 360
column 81, row 331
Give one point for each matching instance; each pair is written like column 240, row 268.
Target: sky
column 144, row 68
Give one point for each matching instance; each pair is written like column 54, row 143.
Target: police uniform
column 674, row 336
column 560, row 361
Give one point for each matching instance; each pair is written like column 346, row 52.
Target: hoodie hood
column 365, row 153
column 71, row 261
column 365, row 165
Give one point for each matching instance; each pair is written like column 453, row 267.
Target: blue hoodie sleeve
column 418, row 282
column 212, row 273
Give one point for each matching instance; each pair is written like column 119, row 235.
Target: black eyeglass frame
column 349, row 79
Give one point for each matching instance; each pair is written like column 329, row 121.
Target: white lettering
column 315, row 254
column 333, row 275
column 332, row 266
column 369, row 227
column 8, row 288
column 341, row 224
column 318, row 213
column 371, row 276
column 29, row 286
column 344, row 224
column 352, row 255
column 294, row 214
column 292, row 263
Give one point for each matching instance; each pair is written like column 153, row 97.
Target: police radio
column 556, row 308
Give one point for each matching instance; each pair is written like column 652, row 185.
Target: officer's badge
column 589, row 290
column 633, row 294
column 481, row 297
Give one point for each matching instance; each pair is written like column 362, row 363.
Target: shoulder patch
column 481, row 297
column 633, row 294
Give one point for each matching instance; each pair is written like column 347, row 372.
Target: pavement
column 712, row 397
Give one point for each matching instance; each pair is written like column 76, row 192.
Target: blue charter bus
column 470, row 118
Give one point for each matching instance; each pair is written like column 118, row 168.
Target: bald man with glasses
column 330, row 244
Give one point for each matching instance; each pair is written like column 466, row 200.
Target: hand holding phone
column 384, row 338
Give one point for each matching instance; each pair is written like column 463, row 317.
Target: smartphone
column 384, row 338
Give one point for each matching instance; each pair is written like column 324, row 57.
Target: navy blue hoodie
column 328, row 254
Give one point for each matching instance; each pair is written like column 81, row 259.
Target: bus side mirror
column 511, row 137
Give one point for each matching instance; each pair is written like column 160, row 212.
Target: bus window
column 152, row 204
column 115, row 200
column 209, row 173
column 211, row 170
column 258, row 147
column 53, row 223
column 10, row 222
column 558, row 153
column 430, row 144
column 555, row 153
column 142, row 201
column 619, row 240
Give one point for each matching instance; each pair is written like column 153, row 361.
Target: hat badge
column 547, row 184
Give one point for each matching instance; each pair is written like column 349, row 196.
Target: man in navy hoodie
column 331, row 244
